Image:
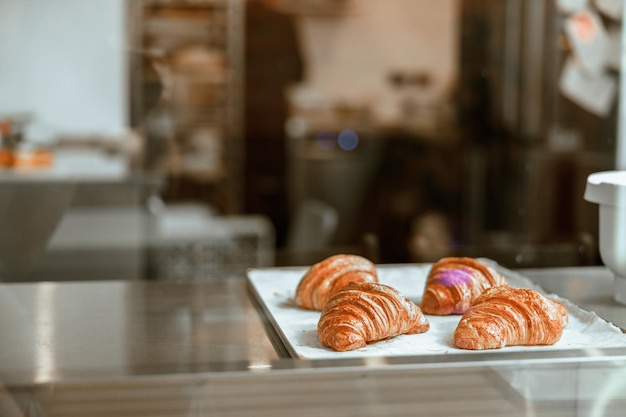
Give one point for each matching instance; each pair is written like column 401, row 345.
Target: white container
column 608, row 189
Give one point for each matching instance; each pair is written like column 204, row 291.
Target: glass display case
column 431, row 129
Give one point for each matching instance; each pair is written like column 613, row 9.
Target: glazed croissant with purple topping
column 453, row 284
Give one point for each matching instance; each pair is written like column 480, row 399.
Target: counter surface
column 186, row 339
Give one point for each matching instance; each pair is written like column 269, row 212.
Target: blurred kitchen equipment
column 56, row 217
column 190, row 242
column 608, row 189
column 313, row 226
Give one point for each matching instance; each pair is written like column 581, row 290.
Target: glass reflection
column 45, row 361
column 459, row 117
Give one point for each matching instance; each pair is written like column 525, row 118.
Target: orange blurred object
column 6, row 157
column 12, row 158
column 5, row 128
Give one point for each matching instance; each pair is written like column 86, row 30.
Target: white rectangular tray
column 274, row 289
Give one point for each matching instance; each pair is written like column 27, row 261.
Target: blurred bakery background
column 192, row 139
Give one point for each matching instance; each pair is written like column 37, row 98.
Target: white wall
column 64, row 61
column 349, row 56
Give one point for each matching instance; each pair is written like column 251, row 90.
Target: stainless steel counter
column 153, row 348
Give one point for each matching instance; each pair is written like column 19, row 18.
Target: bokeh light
column 348, row 140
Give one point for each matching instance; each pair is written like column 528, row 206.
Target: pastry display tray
column 296, row 328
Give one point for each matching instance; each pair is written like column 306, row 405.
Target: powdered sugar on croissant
column 506, row 316
column 327, row 277
column 366, row 312
column 454, row 283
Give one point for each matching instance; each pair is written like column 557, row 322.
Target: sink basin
column 29, row 213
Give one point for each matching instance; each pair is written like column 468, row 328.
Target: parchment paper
column 297, row 327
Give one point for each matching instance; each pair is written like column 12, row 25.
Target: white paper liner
column 297, row 327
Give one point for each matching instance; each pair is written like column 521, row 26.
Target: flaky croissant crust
column 507, row 316
column 366, row 312
column 327, row 277
column 454, row 283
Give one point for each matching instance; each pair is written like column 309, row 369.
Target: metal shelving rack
column 198, row 47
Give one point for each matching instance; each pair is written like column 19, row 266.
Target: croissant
column 327, row 277
column 366, row 312
column 454, row 283
column 505, row 315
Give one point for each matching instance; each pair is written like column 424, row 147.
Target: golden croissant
column 327, row 277
column 454, row 283
column 507, row 316
column 366, row 312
